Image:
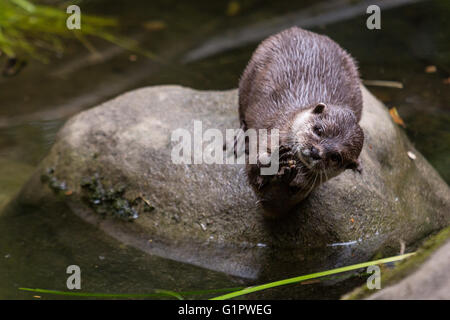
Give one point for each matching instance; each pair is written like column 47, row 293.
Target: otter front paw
column 287, row 173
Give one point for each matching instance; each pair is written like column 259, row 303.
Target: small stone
column 411, row 155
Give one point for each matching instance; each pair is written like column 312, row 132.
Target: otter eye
column 318, row 130
column 334, row 157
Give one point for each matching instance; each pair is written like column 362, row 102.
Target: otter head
column 327, row 139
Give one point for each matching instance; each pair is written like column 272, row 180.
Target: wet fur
column 288, row 75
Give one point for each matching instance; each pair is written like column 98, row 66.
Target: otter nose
column 315, row 153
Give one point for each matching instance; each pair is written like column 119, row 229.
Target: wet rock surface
column 112, row 166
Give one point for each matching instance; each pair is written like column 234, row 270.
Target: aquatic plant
column 310, row 277
column 232, row 292
column 29, row 30
column 157, row 293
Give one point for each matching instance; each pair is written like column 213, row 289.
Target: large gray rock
column 114, row 161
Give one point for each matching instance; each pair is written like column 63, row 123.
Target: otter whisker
column 325, row 175
column 309, row 179
column 313, row 184
column 320, row 181
column 303, row 161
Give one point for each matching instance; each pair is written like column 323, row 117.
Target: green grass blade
column 158, row 293
column 100, row 295
column 310, row 276
column 24, row 4
column 170, row 293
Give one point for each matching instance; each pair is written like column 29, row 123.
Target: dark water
column 35, row 248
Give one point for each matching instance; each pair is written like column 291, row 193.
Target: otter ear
column 319, row 108
column 355, row 166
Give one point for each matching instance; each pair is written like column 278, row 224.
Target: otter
column 308, row 87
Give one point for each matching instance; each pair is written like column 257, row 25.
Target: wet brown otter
column 306, row 86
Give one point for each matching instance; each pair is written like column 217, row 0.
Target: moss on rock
column 107, row 200
column 406, row 267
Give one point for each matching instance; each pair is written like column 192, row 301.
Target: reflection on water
column 34, row 253
column 36, row 247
